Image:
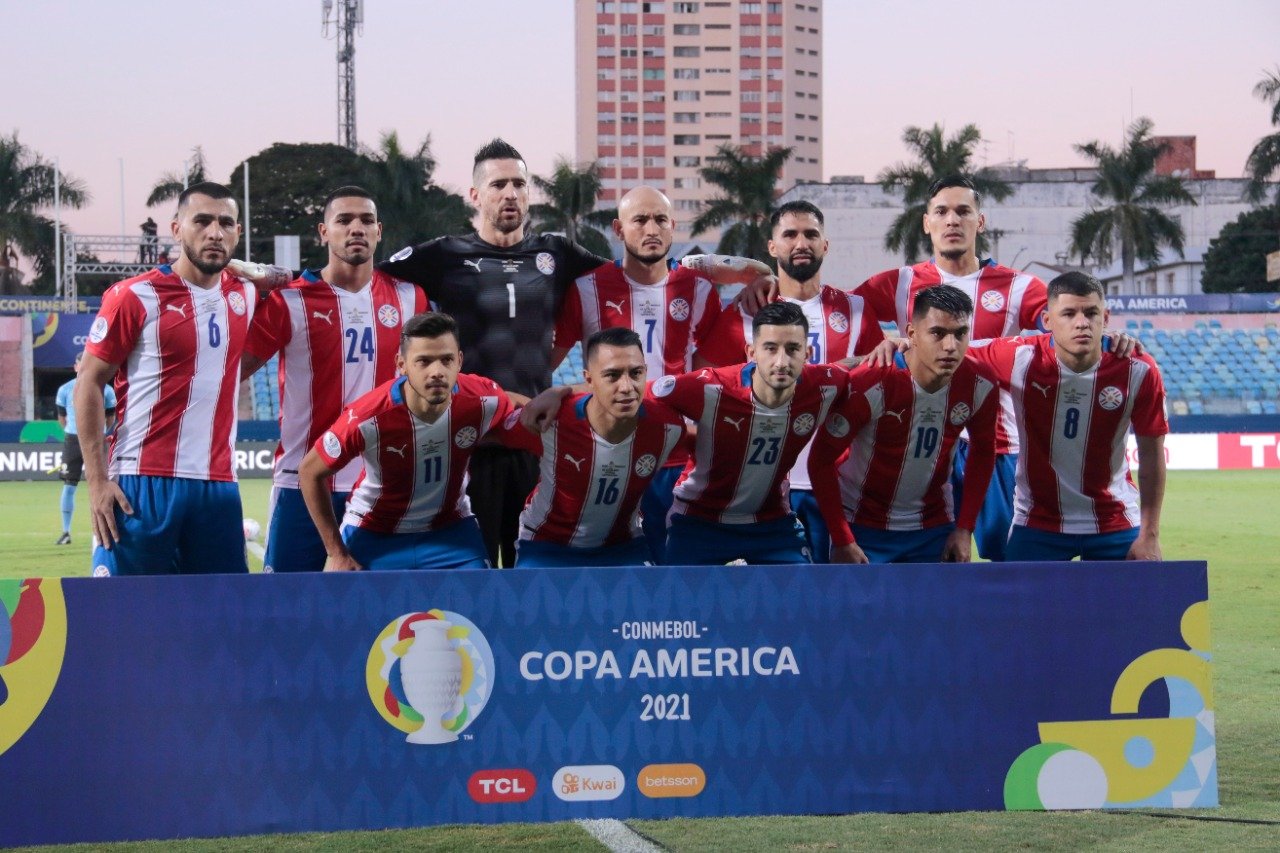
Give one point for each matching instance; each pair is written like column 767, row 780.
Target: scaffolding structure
column 347, row 19
column 118, row 256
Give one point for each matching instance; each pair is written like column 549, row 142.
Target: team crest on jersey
column 993, row 300
column 98, row 330
column 465, row 437
column 664, row 386
column 331, row 444
column 402, row 254
column 960, row 413
column 802, row 425
column 838, row 426
column 838, row 322
column 101, row 571
column 1110, row 398
column 389, row 316
column 511, row 420
column 645, row 465
column 679, row 310
column 545, row 263
column 236, row 301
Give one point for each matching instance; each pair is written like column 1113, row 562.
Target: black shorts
column 72, row 461
column 501, row 479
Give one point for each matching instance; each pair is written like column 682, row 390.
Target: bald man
column 671, row 308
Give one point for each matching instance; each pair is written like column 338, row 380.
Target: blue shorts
column 996, row 516
column 1027, row 545
column 655, row 504
column 695, row 542
column 547, row 555
column 805, row 506
column 902, row 546
column 178, row 527
column 293, row 543
column 458, row 546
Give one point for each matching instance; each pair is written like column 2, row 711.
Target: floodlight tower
column 346, row 18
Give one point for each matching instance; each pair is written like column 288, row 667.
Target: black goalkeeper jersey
column 504, row 299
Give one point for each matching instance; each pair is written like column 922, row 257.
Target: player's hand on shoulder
column 757, row 294
column 1123, row 344
column 539, row 413
column 850, row 553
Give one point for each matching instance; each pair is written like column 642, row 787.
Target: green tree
column 1134, row 219
column 171, row 184
column 26, row 188
column 1237, row 258
column 935, row 156
column 748, row 191
column 570, row 205
column 1264, row 160
column 411, row 206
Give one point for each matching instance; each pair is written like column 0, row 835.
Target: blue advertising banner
column 56, row 338
column 1197, row 303
column 26, row 303
column 222, row 705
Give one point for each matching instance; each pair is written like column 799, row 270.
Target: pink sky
column 95, row 83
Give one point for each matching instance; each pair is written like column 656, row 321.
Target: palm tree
column 27, row 186
column 936, row 157
column 1264, row 160
column 570, row 206
column 171, row 184
column 411, row 206
column 749, row 189
column 1135, row 220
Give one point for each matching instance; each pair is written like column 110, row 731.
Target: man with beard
column 171, row 339
column 839, row 328
column 337, row 332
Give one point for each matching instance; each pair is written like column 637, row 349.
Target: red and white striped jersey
column 670, row 317
column 1005, row 302
column 898, row 469
column 589, row 490
column 743, row 450
column 839, row 328
column 415, row 473
column 1073, row 475
column 335, row 346
column 178, row 347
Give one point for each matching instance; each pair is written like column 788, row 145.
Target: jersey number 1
column 511, row 299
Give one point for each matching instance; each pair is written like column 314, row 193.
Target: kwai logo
column 430, row 674
column 585, row 782
column 33, row 639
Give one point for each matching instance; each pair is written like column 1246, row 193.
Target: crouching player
column 599, row 455
column 891, row 500
column 416, row 433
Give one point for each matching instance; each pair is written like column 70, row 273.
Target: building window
column 749, row 9
column 628, row 74
column 714, row 49
column 686, row 118
column 687, row 204
column 686, row 139
column 749, row 30
column 685, row 73
column 628, row 29
column 606, row 139
column 654, row 73
column 652, row 29
column 627, row 52
column 716, row 72
column 653, row 162
column 605, row 52
column 655, row 51
column 718, row 137
column 687, row 162
column 686, row 29
column 719, row 115
column 605, row 74
column 686, row 50
column 654, row 97
column 607, row 118
column 605, row 29
column 717, row 93
column 686, row 183
column 654, row 139
column 684, row 8
column 751, row 97
column 687, row 95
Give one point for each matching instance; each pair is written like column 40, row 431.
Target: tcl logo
column 501, row 786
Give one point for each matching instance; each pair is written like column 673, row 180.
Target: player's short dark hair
column 946, row 182
column 428, row 324
column 799, row 206
column 779, row 314
column 1077, row 284
column 943, row 297
column 349, row 191
column 495, row 149
column 206, row 188
column 615, row 336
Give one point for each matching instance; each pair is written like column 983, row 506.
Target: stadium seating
column 266, row 391
column 1213, row 370
column 570, row 370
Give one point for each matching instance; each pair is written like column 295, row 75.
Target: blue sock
column 68, row 506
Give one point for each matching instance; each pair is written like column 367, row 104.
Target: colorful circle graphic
column 384, row 679
column 33, row 639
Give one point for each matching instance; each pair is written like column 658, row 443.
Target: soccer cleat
column 64, row 539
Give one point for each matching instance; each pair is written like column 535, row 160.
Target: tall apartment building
column 660, row 85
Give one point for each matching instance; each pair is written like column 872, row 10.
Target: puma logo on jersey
column 616, row 306
column 351, row 415
column 398, row 451
column 1043, row 389
column 736, row 422
column 327, row 316
column 898, row 414
column 181, row 309
column 473, row 264
column 577, row 463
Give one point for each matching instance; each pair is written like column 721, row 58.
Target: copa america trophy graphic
column 431, row 672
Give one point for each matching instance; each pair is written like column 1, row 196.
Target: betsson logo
column 502, row 786
column 671, row 780
column 588, row 782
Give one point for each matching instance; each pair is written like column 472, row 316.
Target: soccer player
column 601, row 453
column 338, row 334
column 839, row 329
column 416, row 435
column 172, row 339
column 891, row 501
column 1075, row 401
column 72, row 460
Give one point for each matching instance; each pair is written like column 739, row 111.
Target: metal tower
column 347, row 18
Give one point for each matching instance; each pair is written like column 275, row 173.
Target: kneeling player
column 894, row 493
column 599, row 455
column 409, row 509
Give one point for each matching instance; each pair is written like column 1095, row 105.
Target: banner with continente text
column 165, row 707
